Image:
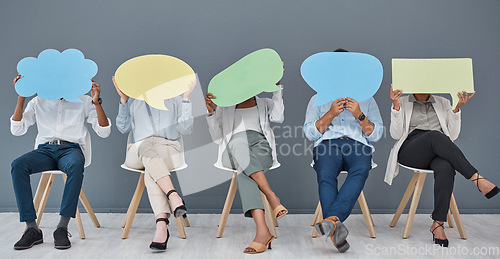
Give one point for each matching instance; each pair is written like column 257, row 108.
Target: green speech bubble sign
column 255, row 73
column 429, row 76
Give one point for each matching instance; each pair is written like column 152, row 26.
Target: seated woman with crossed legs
column 156, row 148
column 425, row 127
column 246, row 142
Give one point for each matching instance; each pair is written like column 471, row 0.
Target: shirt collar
column 430, row 100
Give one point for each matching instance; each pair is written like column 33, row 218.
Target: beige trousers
column 157, row 156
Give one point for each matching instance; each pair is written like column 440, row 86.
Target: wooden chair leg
column 185, row 221
column 316, row 212
column 317, row 219
column 366, row 214
column 227, row 205
column 127, row 214
column 134, row 204
column 79, row 225
column 178, row 222
column 404, row 200
column 88, row 209
column 40, row 189
column 414, row 203
column 458, row 219
column 44, row 199
column 269, row 215
column 449, row 219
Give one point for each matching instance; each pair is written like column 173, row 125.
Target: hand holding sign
column 427, row 76
column 154, row 78
column 54, row 75
column 337, row 75
column 255, row 73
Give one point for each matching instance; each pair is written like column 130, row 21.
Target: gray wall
column 210, row 35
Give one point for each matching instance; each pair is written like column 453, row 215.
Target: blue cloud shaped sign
column 335, row 75
column 54, row 75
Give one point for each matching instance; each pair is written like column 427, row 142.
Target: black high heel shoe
column 437, row 241
column 160, row 246
column 181, row 210
column 491, row 193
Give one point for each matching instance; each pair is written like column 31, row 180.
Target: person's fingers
column 351, row 100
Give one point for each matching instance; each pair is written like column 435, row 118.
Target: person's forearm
column 18, row 112
column 323, row 122
column 367, row 127
column 101, row 116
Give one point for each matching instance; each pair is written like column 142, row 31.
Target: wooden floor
column 294, row 238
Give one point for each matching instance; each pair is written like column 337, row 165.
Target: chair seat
column 53, row 172
column 184, row 166
column 417, row 169
column 233, row 170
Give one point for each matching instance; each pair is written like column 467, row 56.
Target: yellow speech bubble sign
column 154, row 78
column 439, row 75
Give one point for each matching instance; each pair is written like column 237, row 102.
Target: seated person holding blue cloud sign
column 342, row 130
column 425, row 126
column 62, row 144
column 155, row 147
column 247, row 144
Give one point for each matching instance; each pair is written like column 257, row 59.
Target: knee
column 436, row 135
column 18, row 167
column 442, row 166
column 73, row 167
column 236, row 143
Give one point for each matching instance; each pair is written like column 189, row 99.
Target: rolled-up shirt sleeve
column 91, row 117
column 18, row 128
column 185, row 118
column 374, row 116
column 312, row 115
column 123, row 119
column 276, row 106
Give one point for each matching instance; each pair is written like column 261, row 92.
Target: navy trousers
column 67, row 158
column 330, row 158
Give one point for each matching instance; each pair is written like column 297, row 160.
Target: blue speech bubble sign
column 335, row 75
column 54, row 75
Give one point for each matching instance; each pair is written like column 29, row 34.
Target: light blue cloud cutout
column 335, row 75
column 54, row 75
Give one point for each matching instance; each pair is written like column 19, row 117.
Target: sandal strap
column 162, row 219
column 170, row 192
column 477, row 181
column 439, row 225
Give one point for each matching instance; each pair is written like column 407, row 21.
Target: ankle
column 31, row 224
column 63, row 222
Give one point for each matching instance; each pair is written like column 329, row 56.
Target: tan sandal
column 278, row 209
column 258, row 247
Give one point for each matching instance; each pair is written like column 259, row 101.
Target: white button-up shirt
column 61, row 119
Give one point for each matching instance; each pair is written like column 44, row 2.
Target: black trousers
column 433, row 150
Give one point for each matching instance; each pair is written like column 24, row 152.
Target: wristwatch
column 361, row 117
column 99, row 101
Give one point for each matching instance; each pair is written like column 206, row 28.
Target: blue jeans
column 67, row 158
column 330, row 158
